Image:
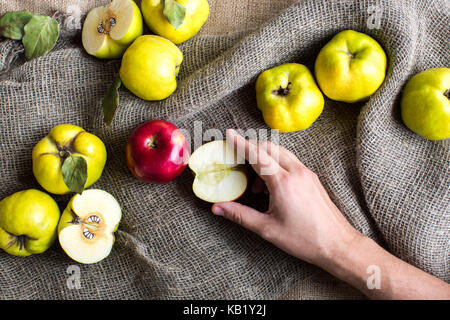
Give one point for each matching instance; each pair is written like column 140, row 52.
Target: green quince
column 56, row 159
column 28, row 222
column 425, row 104
column 288, row 97
column 351, row 67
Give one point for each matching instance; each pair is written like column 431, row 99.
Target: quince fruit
column 425, row 104
column 288, row 97
column 108, row 31
column 177, row 21
column 28, row 222
column 350, row 67
column 150, row 67
column 69, row 159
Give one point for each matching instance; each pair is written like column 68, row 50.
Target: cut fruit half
column 87, row 226
column 220, row 173
column 109, row 30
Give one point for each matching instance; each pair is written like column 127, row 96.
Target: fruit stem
column 152, row 143
column 447, row 93
column 64, row 154
column 19, row 239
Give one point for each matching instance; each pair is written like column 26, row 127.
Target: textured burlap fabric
column 226, row 16
column 391, row 184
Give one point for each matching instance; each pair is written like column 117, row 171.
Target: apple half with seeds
column 109, row 30
column 220, row 173
column 87, row 226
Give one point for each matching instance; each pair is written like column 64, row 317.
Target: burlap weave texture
column 391, row 184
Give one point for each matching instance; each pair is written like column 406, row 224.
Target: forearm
column 378, row 274
column 303, row 221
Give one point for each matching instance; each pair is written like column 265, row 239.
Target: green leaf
column 41, row 34
column 75, row 174
column 12, row 23
column 110, row 101
column 174, row 12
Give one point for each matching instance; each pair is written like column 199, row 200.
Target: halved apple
column 87, row 226
column 220, row 173
column 108, row 31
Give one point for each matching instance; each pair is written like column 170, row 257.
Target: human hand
column 304, row 222
column 301, row 219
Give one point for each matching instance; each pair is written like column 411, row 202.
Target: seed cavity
column 94, row 218
column 87, row 234
column 106, row 25
column 100, row 28
column 112, row 22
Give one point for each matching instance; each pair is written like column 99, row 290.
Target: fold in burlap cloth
column 391, row 184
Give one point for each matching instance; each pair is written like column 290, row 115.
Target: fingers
column 245, row 216
column 258, row 158
column 284, row 157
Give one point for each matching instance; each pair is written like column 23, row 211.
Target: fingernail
column 218, row 211
column 231, row 132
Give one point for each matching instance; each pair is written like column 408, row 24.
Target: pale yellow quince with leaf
column 176, row 20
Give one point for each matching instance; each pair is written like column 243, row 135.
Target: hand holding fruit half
column 350, row 67
column 301, row 218
column 87, row 226
column 157, row 152
column 28, row 222
column 69, row 159
column 288, row 97
column 304, row 222
column 425, row 104
column 108, row 31
column 150, row 66
column 176, row 20
column 220, row 173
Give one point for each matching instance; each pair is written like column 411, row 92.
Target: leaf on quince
column 75, row 174
column 12, row 24
column 110, row 101
column 41, row 34
column 174, row 12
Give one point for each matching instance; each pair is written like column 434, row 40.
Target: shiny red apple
column 157, row 152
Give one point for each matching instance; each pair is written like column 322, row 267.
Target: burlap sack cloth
column 390, row 183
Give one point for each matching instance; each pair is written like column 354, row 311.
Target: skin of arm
column 304, row 222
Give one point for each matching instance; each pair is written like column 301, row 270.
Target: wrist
column 343, row 253
column 350, row 259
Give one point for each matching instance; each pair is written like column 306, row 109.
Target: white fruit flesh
column 122, row 11
column 89, row 238
column 95, row 200
column 105, row 28
column 219, row 172
column 84, row 251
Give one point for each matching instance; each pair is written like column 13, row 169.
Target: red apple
column 157, row 152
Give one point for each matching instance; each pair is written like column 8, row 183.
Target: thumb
column 245, row 216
